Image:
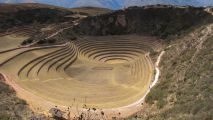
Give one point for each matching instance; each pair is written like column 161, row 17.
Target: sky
column 113, row 4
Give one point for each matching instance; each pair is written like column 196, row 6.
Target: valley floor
column 83, row 73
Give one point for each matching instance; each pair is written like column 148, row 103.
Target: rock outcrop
column 160, row 21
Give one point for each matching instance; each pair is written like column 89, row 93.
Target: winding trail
column 157, row 70
column 134, row 107
column 157, row 75
column 61, row 30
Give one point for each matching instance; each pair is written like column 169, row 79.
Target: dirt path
column 136, row 106
column 157, row 69
column 61, row 30
column 56, row 33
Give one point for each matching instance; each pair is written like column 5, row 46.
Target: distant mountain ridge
column 112, row 4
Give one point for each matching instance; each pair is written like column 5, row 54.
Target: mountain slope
column 112, row 4
column 184, row 91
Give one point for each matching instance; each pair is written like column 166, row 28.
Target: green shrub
column 161, row 103
column 155, row 95
column 4, row 117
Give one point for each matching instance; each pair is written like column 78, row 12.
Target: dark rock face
column 121, row 21
column 56, row 113
column 156, row 21
column 29, row 16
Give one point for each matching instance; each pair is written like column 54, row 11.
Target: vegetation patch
column 185, row 87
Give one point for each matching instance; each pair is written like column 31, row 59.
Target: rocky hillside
column 26, row 14
column 184, row 91
column 160, row 21
column 13, row 108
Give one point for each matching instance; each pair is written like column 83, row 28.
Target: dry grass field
column 101, row 72
column 90, row 10
column 11, row 41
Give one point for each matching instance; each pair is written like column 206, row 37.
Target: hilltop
column 91, row 11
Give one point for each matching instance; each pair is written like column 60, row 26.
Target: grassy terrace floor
column 102, row 72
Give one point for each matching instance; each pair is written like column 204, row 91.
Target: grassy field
column 101, row 72
column 11, row 41
column 90, row 10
